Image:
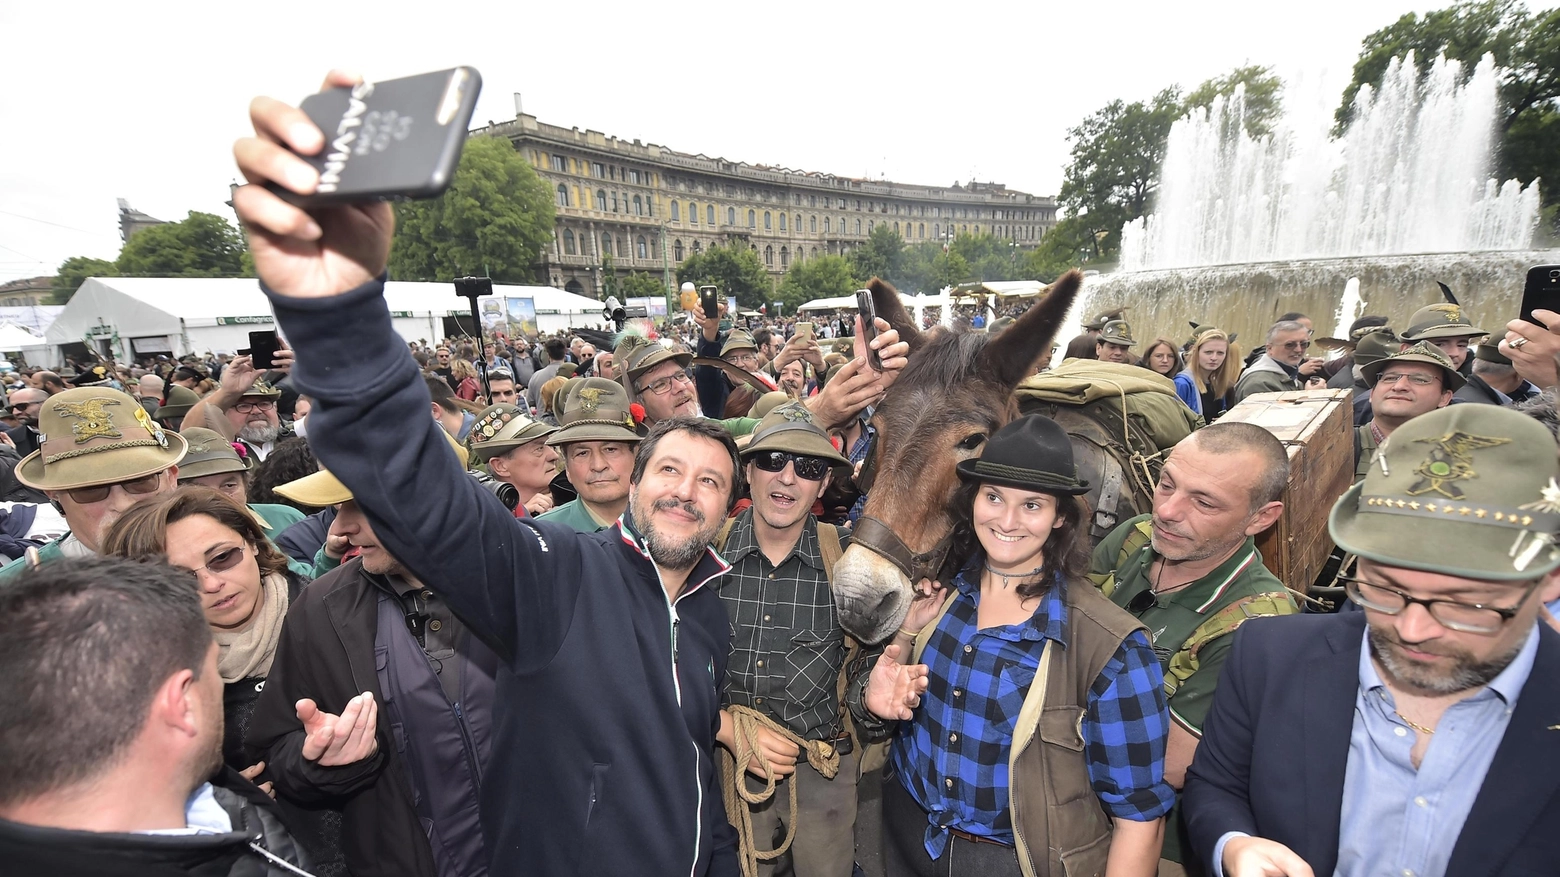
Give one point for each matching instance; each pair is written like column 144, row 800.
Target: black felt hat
column 1031, row 453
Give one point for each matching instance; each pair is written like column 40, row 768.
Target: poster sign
column 521, row 314
column 494, row 318
column 655, row 305
column 246, row 321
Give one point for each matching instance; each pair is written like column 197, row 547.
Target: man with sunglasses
column 1191, row 572
column 100, row 454
column 788, row 649
column 1283, row 366
column 1422, row 735
column 25, row 405
column 1402, row 386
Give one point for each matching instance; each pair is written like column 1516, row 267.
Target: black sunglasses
column 810, row 468
column 1142, row 601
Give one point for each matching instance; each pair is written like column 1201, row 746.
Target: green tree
column 927, row 268
column 735, row 269
column 74, row 271
column 641, row 285
column 200, row 245
column 1263, row 97
column 1113, row 170
column 821, row 277
column 988, row 257
column 881, row 256
column 1525, row 45
column 1064, row 246
column 494, row 219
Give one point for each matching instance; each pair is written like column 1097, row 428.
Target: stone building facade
column 641, row 207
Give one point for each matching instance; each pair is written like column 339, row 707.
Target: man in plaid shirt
column 788, row 649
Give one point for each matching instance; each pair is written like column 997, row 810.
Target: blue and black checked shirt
column 953, row 757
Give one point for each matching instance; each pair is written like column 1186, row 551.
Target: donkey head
column 955, row 392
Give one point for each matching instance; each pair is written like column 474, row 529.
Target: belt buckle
column 843, row 744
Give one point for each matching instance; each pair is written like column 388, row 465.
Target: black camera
column 506, row 492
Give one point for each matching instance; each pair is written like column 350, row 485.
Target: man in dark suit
column 25, row 404
column 1420, row 736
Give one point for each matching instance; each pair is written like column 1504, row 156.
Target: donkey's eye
column 971, row 442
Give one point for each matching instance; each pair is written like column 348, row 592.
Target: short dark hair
column 1235, row 438
column 85, row 644
column 1292, row 317
column 556, row 349
column 699, row 426
column 1369, row 320
column 761, row 337
column 291, row 459
column 442, row 395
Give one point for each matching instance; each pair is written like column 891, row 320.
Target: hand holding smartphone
column 709, row 301
column 1541, row 292
column 869, row 331
column 262, row 349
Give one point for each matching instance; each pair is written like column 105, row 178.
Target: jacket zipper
column 698, row 781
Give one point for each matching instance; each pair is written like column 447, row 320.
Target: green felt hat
column 791, row 428
column 501, row 428
column 96, row 435
column 1440, row 320
column 738, row 339
column 1466, row 490
column 211, row 453
column 1375, row 346
column 1117, row 332
column 1424, row 352
column 179, row 402
column 594, row 410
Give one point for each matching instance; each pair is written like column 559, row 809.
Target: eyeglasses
column 1296, row 345
column 809, row 468
column 1142, row 601
column 1450, row 614
column 22, row 405
column 252, row 407
column 1416, row 380
column 743, row 358
column 140, row 486
column 223, row 562
column 660, row 386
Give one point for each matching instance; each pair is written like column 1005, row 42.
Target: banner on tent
column 522, row 316
column 152, row 344
column 245, row 321
column 655, row 306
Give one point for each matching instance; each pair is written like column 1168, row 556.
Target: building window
column 842, row 203
column 676, row 212
column 769, row 256
column 649, row 206
column 936, row 211
column 598, row 170
column 920, row 230
column 560, row 164
column 785, row 258
column 782, row 221
column 797, row 226
column 614, row 202
column 601, row 200
column 633, row 177
column 563, row 195
column 826, row 225
column 697, row 248
column 812, row 224
column 568, row 242
column 896, row 228
column 677, row 250
column 937, row 230
column 641, row 248
column 767, row 226
column 639, row 207
column 812, row 200
column 813, row 254
column 606, row 245
column 870, row 225
column 693, row 214
column 858, row 226
column 977, row 229
column 752, row 219
column 709, row 214
column 963, row 228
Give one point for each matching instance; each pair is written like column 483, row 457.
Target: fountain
column 1246, row 228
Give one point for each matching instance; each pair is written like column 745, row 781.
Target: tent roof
column 149, row 305
column 845, row 302
column 14, row 337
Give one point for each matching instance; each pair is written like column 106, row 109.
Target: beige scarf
column 247, row 653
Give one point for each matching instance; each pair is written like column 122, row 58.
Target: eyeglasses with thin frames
column 1456, row 615
column 1297, row 345
column 252, row 407
column 661, row 386
column 223, row 561
column 1416, row 380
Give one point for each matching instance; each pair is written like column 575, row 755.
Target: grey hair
column 1281, row 327
column 1486, row 367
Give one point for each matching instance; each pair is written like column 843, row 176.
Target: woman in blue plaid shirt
column 1087, row 750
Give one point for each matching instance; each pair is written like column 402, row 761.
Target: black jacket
column 608, row 701
column 327, row 654
column 1275, row 751
column 29, row 851
column 24, row 438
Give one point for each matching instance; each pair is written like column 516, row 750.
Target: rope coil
column 745, row 725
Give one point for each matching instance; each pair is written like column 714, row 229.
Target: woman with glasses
column 1162, row 358
column 1039, row 745
column 245, row 588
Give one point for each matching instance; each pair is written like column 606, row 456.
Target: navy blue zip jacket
column 608, row 703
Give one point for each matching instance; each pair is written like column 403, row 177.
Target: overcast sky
column 142, row 101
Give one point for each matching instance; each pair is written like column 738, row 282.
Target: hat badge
column 1451, row 459
column 590, row 398
column 795, row 414
column 93, row 420
column 145, row 421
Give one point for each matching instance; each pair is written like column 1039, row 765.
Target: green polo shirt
column 1365, row 443
column 1175, row 616
column 576, row 515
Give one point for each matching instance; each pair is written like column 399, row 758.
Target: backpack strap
column 925, row 635
column 829, row 548
column 1226, row 621
column 1142, row 534
column 723, row 534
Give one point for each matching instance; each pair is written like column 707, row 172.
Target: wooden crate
column 1317, row 428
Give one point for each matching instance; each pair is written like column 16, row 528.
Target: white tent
column 137, row 316
column 845, row 303
column 14, row 339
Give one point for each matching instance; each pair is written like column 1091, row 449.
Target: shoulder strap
column 1186, row 659
column 829, row 548
column 1142, row 533
column 925, row 635
column 723, row 534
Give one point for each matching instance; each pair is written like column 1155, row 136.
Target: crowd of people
column 564, row 605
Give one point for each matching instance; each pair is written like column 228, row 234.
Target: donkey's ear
column 1011, row 356
column 886, row 299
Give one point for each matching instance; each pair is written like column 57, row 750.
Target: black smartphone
column 263, row 347
column 397, row 139
column 709, row 300
column 868, row 310
column 1541, row 292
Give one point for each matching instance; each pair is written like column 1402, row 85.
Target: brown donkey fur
column 955, row 392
